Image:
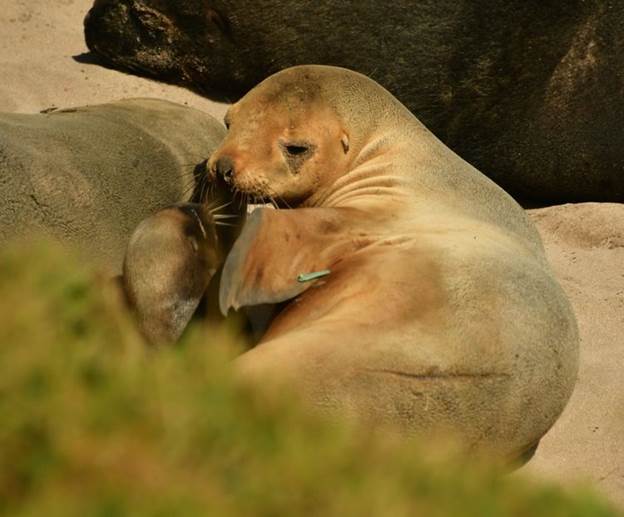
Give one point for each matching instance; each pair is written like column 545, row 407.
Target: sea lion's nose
column 225, row 168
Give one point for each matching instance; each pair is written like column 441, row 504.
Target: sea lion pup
column 528, row 92
column 172, row 266
column 171, row 258
column 419, row 292
column 87, row 176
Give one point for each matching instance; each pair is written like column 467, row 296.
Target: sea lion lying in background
column 89, row 175
column 530, row 92
column 417, row 291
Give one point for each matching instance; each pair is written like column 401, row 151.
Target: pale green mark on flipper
column 308, row 277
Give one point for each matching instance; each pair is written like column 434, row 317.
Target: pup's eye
column 227, row 124
column 296, row 150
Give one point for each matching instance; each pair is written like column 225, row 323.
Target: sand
column 585, row 245
column 38, row 39
column 584, row 242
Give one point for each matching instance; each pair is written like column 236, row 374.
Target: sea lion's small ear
column 344, row 140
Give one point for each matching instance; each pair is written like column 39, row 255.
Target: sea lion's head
column 286, row 141
column 188, row 42
column 170, row 260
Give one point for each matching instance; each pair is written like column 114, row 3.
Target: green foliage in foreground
column 94, row 424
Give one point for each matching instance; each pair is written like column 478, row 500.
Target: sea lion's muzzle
column 224, row 167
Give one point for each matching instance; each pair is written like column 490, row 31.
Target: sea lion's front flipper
column 280, row 254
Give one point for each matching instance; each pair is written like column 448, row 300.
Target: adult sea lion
column 89, row 175
column 529, row 92
column 418, row 291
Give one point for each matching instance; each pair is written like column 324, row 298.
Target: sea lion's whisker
column 187, row 184
column 285, row 202
column 218, row 217
column 204, row 184
column 193, row 185
column 190, row 189
column 193, row 165
column 217, row 208
column 221, row 223
column 204, row 191
column 194, row 180
column 241, row 199
column 191, row 181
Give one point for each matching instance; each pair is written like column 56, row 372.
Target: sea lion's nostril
column 225, row 168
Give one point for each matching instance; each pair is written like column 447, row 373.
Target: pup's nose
column 225, row 168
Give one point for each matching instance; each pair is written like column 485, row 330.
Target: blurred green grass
column 93, row 423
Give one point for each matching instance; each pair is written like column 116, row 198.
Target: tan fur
column 440, row 311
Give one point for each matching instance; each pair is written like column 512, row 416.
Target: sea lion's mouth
column 272, row 201
column 252, row 207
column 257, row 200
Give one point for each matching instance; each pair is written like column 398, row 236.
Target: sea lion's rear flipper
column 279, row 254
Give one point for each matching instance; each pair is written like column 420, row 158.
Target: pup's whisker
column 284, row 201
column 218, row 217
column 216, row 209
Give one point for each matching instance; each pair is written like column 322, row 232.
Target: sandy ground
column 585, row 243
column 38, row 39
